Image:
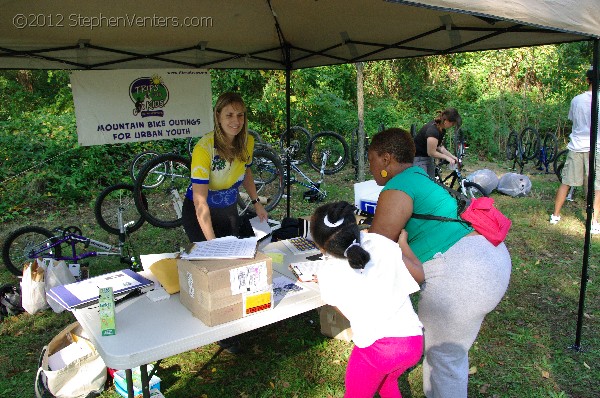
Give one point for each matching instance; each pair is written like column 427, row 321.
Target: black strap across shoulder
column 462, row 203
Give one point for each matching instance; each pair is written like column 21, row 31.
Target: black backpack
column 10, row 301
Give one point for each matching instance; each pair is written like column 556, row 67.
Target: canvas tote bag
column 83, row 377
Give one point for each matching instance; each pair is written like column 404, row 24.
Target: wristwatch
column 255, row 201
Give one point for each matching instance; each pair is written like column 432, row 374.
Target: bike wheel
column 473, row 190
column 24, row 245
column 138, row 163
column 267, row 172
column 550, row 146
column 114, row 200
column 530, row 142
column 512, row 145
column 559, row 163
column 299, row 140
column 413, row 130
column 327, row 150
column 162, row 205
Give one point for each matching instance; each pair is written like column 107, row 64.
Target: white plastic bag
column 515, row 185
column 33, row 290
column 57, row 274
column 485, row 178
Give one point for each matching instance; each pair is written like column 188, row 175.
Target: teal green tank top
column 428, row 237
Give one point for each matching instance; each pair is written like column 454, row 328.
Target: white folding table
column 150, row 331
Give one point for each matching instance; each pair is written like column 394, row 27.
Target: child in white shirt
column 365, row 278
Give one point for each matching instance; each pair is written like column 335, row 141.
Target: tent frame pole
column 590, row 196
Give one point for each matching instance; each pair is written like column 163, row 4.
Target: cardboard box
column 334, row 324
column 219, row 291
column 366, row 194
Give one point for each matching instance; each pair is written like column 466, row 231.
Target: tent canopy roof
column 254, row 34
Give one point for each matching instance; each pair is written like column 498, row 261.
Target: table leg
column 145, row 381
column 129, row 381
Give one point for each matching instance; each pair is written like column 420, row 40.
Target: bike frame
column 455, row 175
column 72, row 240
column 310, row 184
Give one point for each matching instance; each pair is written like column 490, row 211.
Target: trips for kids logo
column 149, row 96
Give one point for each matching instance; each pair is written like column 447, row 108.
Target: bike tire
column 474, row 190
column 162, row 205
column 559, row 163
column 332, row 144
column 459, row 143
column 512, row 145
column 110, row 201
column 20, row 244
column 550, row 147
column 267, row 172
column 530, row 143
column 413, row 130
column 138, row 163
column 299, row 140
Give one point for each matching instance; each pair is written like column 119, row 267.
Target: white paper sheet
column 223, row 248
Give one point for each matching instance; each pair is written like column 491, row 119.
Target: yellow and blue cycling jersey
column 223, row 178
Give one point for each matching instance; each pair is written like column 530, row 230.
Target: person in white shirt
column 364, row 276
column 575, row 173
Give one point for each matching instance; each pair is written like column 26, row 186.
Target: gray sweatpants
column 426, row 163
column 461, row 287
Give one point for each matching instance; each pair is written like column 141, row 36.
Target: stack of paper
column 86, row 292
column 222, row 248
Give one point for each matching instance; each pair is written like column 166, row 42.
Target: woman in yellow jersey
column 220, row 164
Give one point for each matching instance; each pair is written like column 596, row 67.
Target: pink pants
column 377, row 368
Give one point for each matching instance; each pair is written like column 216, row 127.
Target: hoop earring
column 383, row 173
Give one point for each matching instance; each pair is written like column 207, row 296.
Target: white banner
column 120, row 106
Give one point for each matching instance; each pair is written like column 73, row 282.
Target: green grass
column 523, row 349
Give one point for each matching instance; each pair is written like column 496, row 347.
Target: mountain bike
column 312, row 151
column 299, row 138
column 460, row 143
column 142, row 158
column 163, row 181
column 548, row 151
column 530, row 143
column 456, row 181
column 322, row 147
column 522, row 148
column 559, row 163
column 115, row 213
column 327, row 152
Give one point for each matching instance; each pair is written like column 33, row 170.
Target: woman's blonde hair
column 237, row 150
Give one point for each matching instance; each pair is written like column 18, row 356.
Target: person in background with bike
column 430, row 139
column 365, row 278
column 220, row 164
column 575, row 172
column 465, row 275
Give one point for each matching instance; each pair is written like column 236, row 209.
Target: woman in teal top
column 465, row 276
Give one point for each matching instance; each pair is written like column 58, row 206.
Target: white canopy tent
column 286, row 34
column 276, row 34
